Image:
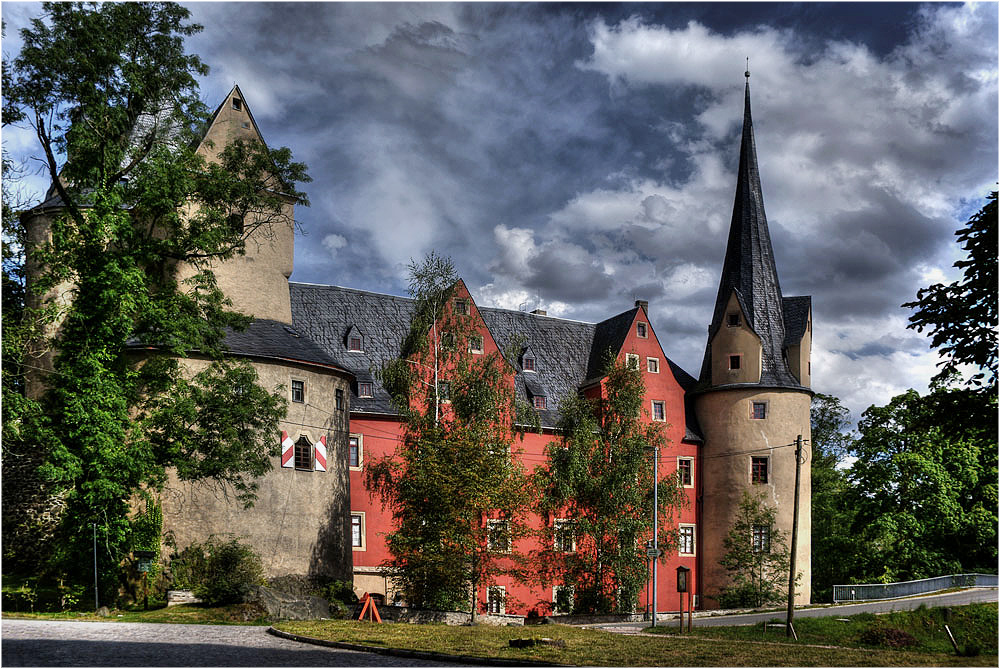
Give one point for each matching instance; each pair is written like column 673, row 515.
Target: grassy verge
column 921, row 630
column 237, row 614
column 600, row 648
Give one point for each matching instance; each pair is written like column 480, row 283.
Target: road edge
column 406, row 652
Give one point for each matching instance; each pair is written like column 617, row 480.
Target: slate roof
column 564, row 350
column 796, row 311
column 749, row 270
column 273, row 340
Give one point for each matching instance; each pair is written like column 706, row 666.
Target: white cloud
column 334, row 243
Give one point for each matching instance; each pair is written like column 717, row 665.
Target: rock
column 289, row 607
column 175, row 597
column 104, row 612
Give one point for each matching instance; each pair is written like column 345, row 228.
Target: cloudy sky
column 576, row 157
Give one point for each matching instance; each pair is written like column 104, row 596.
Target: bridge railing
column 869, row 591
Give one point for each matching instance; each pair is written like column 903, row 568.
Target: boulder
column 283, row 606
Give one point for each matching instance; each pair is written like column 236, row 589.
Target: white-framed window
column 476, row 344
column 528, row 363
column 659, row 412
column 539, row 402
column 653, row 365
column 735, row 362
column 496, row 599
column 298, row 391
column 685, row 539
column 562, row 598
column 354, row 343
column 498, row 536
column 366, row 389
column 761, row 539
column 564, row 534
column 355, row 452
column 358, row 530
column 641, row 330
column 304, row 454
column 632, row 361
column 758, row 410
column 685, row 472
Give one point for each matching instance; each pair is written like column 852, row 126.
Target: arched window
column 303, row 453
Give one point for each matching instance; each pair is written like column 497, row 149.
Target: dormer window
column 237, row 104
column 365, row 389
column 733, row 320
column 462, row 307
column 354, row 344
column 528, row 364
column 539, row 401
column 641, row 330
column 355, row 339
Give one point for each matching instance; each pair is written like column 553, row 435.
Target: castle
column 728, row 431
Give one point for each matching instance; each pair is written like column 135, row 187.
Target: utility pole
column 789, row 630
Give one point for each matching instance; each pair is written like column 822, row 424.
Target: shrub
column 889, row 637
column 231, row 570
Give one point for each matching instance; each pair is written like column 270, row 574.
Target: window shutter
column 287, row 450
column 320, row 455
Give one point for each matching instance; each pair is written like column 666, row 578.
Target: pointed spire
column 749, row 266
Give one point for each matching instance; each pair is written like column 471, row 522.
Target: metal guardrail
column 869, row 591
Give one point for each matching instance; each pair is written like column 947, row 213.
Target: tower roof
column 749, row 270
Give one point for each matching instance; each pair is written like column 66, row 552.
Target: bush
column 219, row 572
column 889, row 637
column 231, row 570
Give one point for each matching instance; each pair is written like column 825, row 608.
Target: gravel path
column 45, row 643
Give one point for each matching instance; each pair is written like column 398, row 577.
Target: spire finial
column 747, row 73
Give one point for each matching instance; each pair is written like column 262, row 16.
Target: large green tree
column 456, row 490
column 961, row 317
column 924, row 486
column 112, row 97
column 833, row 544
column 598, row 478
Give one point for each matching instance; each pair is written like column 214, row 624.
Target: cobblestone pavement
column 45, row 643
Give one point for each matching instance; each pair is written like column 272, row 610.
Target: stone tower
column 753, row 395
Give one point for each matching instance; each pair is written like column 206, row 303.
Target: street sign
column 653, row 552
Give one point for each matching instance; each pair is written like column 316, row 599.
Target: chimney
column 644, row 304
column 540, row 312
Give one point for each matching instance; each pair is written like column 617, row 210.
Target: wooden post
column 789, row 630
column 680, row 609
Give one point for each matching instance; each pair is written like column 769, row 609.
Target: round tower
column 753, row 395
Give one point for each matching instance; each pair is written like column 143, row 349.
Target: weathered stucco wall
column 299, row 524
column 735, row 340
column 732, row 437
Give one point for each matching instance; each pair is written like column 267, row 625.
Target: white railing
column 869, row 591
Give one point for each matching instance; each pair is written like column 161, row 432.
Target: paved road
column 45, row 643
column 946, row 599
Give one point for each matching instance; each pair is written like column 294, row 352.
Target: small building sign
column 145, row 559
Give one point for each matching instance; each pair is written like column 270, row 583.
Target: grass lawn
column 600, row 648
column 974, row 625
column 238, row 614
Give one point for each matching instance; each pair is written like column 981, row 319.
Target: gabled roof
column 749, row 269
column 563, row 349
column 796, row 311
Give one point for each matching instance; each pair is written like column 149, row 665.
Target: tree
column 925, row 486
column 756, row 557
column 832, row 517
column 112, row 98
column 961, row 317
column 456, row 491
column 599, row 478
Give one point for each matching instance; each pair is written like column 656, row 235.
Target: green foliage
column 231, row 570
column 113, row 99
column 599, row 477
column 961, row 317
column 758, row 569
column 832, row 512
column 925, row 486
column 454, row 466
column 187, row 566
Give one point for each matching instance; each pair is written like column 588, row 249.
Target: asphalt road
column 46, row 643
column 946, row 599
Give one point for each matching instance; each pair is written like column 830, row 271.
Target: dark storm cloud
column 580, row 156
